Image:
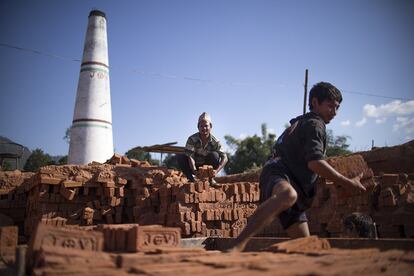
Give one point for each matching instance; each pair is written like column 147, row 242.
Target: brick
column 109, row 192
column 44, row 179
column 8, row 238
column 199, row 216
column 67, row 193
column 146, row 238
column 148, row 181
column 199, row 186
column 145, row 192
column 71, row 184
column 113, row 201
column 187, row 229
column 120, row 192
column 191, row 187
column 115, row 159
column 241, row 188
column 213, row 195
column 135, row 162
column 121, row 181
column 193, row 226
column 206, row 185
column 250, row 187
column 58, row 237
column 235, row 214
column 389, row 180
column 109, row 184
column 205, row 171
column 233, row 189
column 125, row 160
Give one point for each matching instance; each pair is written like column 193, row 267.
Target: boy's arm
column 322, row 168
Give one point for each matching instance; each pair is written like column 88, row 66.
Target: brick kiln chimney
column 91, row 131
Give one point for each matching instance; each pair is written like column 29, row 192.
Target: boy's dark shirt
column 303, row 141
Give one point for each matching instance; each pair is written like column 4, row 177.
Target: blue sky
column 241, row 61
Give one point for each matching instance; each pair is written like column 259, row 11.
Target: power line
column 188, row 78
column 375, row 95
column 37, row 52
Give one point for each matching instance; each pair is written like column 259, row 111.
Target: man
column 202, row 148
column 287, row 182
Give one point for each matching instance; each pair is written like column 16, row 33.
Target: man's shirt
column 194, row 148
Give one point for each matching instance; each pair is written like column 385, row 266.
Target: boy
column 287, row 182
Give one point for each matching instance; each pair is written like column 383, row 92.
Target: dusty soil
column 330, row 262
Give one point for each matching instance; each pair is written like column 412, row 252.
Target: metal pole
column 306, row 91
column 20, row 263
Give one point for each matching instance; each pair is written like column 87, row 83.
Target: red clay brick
column 8, row 238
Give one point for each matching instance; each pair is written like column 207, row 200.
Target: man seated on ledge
column 202, row 148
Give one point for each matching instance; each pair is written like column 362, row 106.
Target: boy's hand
column 356, row 183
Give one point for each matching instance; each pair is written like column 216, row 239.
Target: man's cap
column 204, row 117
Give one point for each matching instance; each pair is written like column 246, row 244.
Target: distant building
column 12, row 155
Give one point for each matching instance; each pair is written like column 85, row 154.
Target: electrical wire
column 189, row 78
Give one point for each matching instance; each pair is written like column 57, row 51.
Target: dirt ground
column 331, row 262
column 306, row 256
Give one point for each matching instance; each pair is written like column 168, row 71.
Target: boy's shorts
column 296, row 213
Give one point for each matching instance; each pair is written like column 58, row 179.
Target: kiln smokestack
column 91, row 131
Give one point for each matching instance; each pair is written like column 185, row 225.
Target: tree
column 170, row 161
column 6, row 166
column 250, row 153
column 38, row 159
column 63, row 160
column 336, row 145
column 142, row 156
column 67, row 135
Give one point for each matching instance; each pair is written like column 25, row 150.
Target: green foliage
column 336, row 145
column 170, row 161
column 250, row 152
column 142, row 156
column 63, row 160
column 67, row 135
column 6, row 166
column 38, row 159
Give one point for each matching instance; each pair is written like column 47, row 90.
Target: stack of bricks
column 334, row 202
column 204, row 211
column 393, row 208
column 148, row 193
column 13, row 195
column 83, row 195
column 138, row 238
column 389, row 200
column 396, row 159
column 81, row 251
column 132, row 191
